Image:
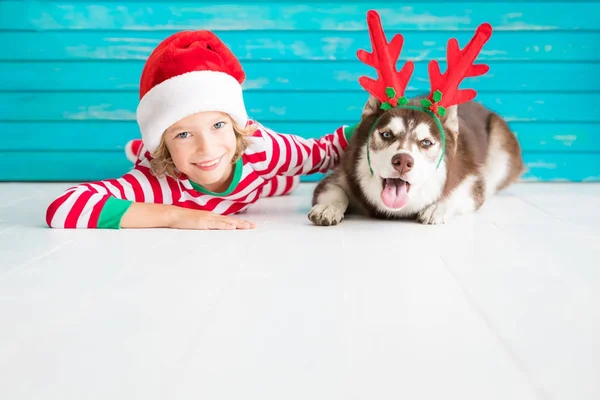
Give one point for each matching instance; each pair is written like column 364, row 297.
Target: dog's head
column 404, row 147
column 405, row 140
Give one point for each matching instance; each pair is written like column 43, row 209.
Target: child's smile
column 210, row 164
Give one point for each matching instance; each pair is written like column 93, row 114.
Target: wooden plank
column 290, row 106
column 296, row 76
column 112, row 136
column 339, row 16
column 580, row 167
column 553, row 137
column 289, row 46
column 90, row 166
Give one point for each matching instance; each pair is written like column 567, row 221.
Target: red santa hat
column 189, row 72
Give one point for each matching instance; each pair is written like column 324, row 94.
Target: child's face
column 202, row 147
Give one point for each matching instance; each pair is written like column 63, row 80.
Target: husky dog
column 482, row 157
column 405, row 162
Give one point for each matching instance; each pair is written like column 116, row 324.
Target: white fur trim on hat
column 186, row 94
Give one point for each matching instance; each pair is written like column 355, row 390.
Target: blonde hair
column 162, row 162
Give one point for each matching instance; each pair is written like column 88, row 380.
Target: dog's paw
column 325, row 215
column 435, row 214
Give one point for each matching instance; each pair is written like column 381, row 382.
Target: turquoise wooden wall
column 70, row 70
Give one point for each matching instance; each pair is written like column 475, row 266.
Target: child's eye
column 183, row 135
column 219, row 125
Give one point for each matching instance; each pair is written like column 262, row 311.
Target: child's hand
column 148, row 215
column 204, row 220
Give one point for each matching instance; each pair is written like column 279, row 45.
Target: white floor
column 503, row 304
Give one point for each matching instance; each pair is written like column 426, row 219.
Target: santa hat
column 189, row 72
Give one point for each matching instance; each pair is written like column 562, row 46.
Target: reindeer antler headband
column 390, row 84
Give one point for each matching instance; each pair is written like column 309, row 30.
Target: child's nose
column 203, row 143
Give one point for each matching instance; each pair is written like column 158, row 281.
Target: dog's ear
column 372, row 107
column 450, row 119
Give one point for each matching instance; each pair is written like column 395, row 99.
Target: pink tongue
column 394, row 193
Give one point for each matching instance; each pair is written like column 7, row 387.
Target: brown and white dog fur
column 482, row 157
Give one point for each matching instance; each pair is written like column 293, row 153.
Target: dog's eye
column 386, row 135
column 426, row 143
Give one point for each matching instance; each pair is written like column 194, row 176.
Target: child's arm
column 274, row 153
column 146, row 215
column 136, row 200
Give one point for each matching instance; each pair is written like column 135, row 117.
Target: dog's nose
column 402, row 163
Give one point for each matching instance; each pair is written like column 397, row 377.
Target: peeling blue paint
column 291, row 46
column 332, row 15
column 71, row 73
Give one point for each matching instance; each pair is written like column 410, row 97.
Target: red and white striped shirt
column 271, row 165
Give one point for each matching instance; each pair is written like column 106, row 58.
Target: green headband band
column 402, row 103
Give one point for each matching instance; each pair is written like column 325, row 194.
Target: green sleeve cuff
column 349, row 131
column 112, row 212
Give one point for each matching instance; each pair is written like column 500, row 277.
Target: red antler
column 444, row 88
column 390, row 84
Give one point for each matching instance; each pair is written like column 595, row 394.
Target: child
column 200, row 159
